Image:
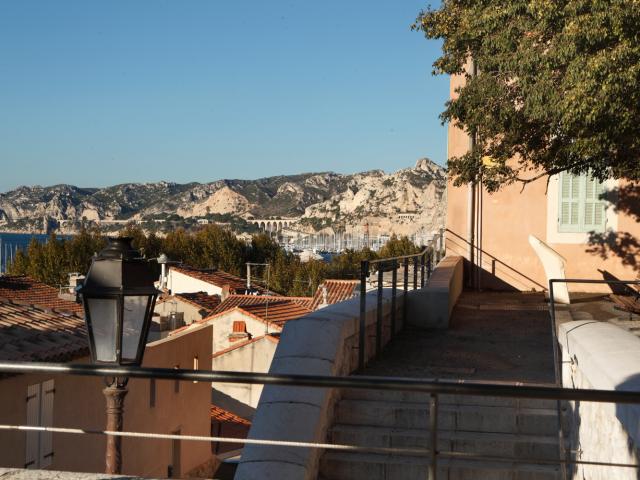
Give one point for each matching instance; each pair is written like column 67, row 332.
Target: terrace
column 418, row 362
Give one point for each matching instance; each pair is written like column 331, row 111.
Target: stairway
column 506, row 427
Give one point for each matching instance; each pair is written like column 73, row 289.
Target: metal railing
column 423, row 263
column 435, row 389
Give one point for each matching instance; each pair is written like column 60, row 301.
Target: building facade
column 593, row 226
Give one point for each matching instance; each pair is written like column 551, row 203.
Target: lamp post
column 118, row 296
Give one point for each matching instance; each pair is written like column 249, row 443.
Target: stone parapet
column 431, row 307
column 324, row 342
column 602, row 356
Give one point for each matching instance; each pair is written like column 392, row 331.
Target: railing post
column 423, row 258
column 429, row 255
column 379, row 309
column 364, row 270
column 394, row 289
column 433, row 425
column 406, row 289
column 415, row 273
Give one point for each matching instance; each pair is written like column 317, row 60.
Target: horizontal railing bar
column 201, row 438
column 325, row 446
column 441, row 386
column 586, row 280
column 402, row 257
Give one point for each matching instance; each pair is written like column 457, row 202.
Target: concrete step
column 472, row 418
column 343, row 466
column 481, row 443
column 417, row 397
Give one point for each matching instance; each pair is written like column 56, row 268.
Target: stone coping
column 320, row 343
column 609, row 358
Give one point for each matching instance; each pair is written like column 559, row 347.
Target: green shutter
column 580, row 207
column 594, row 207
column 569, row 214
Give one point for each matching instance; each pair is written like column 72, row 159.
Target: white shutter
column 32, row 448
column 46, row 420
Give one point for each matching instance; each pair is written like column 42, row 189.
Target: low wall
column 431, row 307
column 602, row 356
column 324, row 342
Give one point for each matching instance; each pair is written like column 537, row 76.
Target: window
column 39, row 448
column 581, row 208
column 195, row 365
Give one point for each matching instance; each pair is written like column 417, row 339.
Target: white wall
column 223, row 326
column 602, row 356
column 178, row 282
column 254, row 357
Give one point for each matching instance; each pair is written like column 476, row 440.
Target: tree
column 397, row 247
column 556, row 90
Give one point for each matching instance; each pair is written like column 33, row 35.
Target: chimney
column 239, row 332
column 226, row 290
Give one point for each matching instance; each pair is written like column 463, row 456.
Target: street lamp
column 118, row 296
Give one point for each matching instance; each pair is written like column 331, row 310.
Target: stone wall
column 602, row 356
column 322, row 343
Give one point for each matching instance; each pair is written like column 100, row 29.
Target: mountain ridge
column 319, row 199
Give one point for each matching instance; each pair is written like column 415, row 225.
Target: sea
column 10, row 243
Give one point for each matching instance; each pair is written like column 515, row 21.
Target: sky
column 96, row 93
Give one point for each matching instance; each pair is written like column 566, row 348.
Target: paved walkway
column 492, row 336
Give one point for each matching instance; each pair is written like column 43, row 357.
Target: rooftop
column 198, row 299
column 221, row 415
column 215, row 277
column 336, row 291
column 24, row 289
column 30, row 333
column 233, row 301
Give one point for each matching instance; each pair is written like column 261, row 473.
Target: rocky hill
column 402, row 202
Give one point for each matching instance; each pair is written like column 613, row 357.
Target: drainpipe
column 471, row 205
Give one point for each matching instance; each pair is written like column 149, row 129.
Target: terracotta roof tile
column 29, row 333
column 215, row 277
column 337, row 291
column 233, row 301
column 23, row 289
column 277, row 312
column 200, row 300
column 271, row 308
column 221, row 415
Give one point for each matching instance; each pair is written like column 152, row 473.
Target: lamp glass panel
column 135, row 309
column 104, row 318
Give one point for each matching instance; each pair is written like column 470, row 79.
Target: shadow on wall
column 581, row 417
column 623, row 245
column 496, row 274
column 616, row 289
column 623, row 413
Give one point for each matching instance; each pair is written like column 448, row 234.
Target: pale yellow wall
column 79, row 403
column 509, row 217
column 223, row 326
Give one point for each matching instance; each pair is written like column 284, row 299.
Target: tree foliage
column 209, row 247
column 557, row 86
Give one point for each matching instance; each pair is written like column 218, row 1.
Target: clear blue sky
column 95, row 93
